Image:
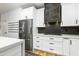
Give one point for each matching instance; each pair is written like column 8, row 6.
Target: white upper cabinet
column 27, row 13
column 77, row 13
column 68, row 14
column 40, row 17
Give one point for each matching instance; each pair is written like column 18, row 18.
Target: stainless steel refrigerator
column 25, row 32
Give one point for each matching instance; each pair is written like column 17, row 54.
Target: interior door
column 68, row 14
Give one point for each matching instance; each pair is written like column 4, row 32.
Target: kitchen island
column 11, row 47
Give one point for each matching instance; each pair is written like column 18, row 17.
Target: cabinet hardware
column 51, row 43
column 52, row 38
column 51, row 49
column 37, row 46
column 66, row 38
column 37, row 37
column 76, row 21
column 37, row 41
column 70, row 42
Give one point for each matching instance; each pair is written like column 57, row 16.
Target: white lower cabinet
column 71, row 47
column 63, row 46
column 49, row 44
column 53, row 45
column 37, row 43
column 66, row 46
column 74, row 47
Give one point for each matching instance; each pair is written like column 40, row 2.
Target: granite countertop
column 6, row 42
column 63, row 36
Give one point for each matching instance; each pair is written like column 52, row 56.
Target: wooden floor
column 30, row 53
column 36, row 52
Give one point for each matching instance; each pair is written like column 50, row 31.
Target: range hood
column 52, row 18
column 53, row 28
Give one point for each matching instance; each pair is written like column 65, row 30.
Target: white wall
column 15, row 16
column 0, row 24
column 11, row 16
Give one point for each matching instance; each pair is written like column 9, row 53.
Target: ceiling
column 37, row 5
column 4, row 7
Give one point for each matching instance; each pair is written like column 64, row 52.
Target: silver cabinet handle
column 51, row 49
column 51, row 43
column 51, row 38
column 66, row 38
column 76, row 21
column 37, row 41
column 70, row 42
column 37, row 46
column 37, row 37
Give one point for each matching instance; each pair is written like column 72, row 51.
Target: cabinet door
column 68, row 14
column 38, row 43
column 77, row 14
column 74, row 47
column 66, row 45
column 27, row 13
column 40, row 17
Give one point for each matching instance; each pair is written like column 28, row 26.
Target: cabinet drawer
column 53, row 50
column 53, row 39
column 52, row 44
column 37, row 42
column 56, row 50
column 37, row 37
column 37, row 46
column 56, row 39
